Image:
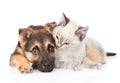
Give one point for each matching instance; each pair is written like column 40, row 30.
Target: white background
column 102, row 17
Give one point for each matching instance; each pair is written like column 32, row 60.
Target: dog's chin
column 45, row 70
column 40, row 68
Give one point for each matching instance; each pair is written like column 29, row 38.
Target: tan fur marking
column 20, row 50
column 47, row 42
column 21, row 63
column 31, row 57
column 24, row 35
column 94, row 55
column 50, row 26
column 36, row 43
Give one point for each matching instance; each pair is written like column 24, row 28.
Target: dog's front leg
column 21, row 62
column 18, row 59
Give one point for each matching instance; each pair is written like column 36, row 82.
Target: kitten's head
column 68, row 33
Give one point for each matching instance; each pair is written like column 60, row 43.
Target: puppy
column 37, row 46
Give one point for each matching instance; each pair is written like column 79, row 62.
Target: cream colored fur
column 71, row 52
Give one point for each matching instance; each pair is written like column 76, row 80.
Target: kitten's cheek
column 56, row 42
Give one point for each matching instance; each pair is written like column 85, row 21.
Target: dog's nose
column 46, row 65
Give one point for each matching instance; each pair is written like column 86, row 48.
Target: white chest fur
column 71, row 53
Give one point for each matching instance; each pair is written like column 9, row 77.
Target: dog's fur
column 37, row 46
column 75, row 50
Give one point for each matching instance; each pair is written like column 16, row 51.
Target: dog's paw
column 25, row 68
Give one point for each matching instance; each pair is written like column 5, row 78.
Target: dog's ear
column 24, row 36
column 50, row 26
column 64, row 20
column 81, row 32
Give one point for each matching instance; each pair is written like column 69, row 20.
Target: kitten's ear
column 64, row 20
column 81, row 32
column 50, row 26
column 24, row 35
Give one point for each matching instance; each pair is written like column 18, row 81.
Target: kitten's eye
column 57, row 37
column 35, row 50
column 50, row 48
column 67, row 43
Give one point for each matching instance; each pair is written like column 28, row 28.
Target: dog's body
column 75, row 50
column 37, row 46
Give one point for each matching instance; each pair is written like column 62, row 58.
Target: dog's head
column 39, row 46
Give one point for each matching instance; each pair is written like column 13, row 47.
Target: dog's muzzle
column 45, row 66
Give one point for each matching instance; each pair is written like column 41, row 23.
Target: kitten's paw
column 96, row 66
column 91, row 64
column 59, row 64
column 76, row 66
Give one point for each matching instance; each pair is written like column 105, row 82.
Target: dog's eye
column 50, row 48
column 35, row 50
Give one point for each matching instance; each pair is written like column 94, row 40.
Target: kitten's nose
column 58, row 45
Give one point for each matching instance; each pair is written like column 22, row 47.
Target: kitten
column 75, row 50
